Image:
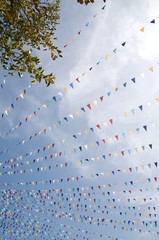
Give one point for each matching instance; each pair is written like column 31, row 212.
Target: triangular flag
column 122, row 152
column 155, row 178
column 65, row 118
column 142, row 29
column 142, row 75
column 123, row 44
column 133, row 111
column 77, row 79
column 117, row 137
column 141, row 107
column 145, row 127
column 150, row 145
column 54, row 98
column 71, row 85
column 108, row 93
column 98, row 126
column 21, row 95
column 83, row 109
column 111, row 121
column 156, row 164
column 151, row 69
column 133, row 80
column 106, row 57
column 115, row 50
column 137, row 130
column 153, row 21
column 101, row 98
column 124, row 84
column 89, row 106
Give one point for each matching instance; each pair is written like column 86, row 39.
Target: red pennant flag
column 98, row 126
column 26, row 119
column 130, row 169
column 89, row 106
column 103, row 140
column 117, row 137
column 45, row 131
column 155, row 178
column 25, row 91
column 122, row 152
column 111, row 121
column 101, row 98
column 51, row 156
column 77, row 79
column 35, row 113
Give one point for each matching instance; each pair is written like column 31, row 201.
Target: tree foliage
column 85, row 1
column 26, row 26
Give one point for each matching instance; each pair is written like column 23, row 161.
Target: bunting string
column 77, row 178
column 50, row 168
column 104, row 156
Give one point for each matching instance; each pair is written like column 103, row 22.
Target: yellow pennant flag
column 151, row 69
column 21, row 95
column 44, row 106
column 105, row 124
column 95, row 102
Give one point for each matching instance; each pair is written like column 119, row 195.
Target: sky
column 94, row 133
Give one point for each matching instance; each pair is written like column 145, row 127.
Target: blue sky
column 119, row 118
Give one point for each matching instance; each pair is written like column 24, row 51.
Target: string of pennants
column 77, row 80
column 72, row 179
column 83, row 108
column 85, row 26
column 115, row 154
column 76, row 162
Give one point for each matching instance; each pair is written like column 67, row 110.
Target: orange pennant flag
column 65, row 90
column 106, row 57
column 8, row 109
column 142, row 29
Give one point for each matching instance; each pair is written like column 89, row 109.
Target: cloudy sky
column 101, row 116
